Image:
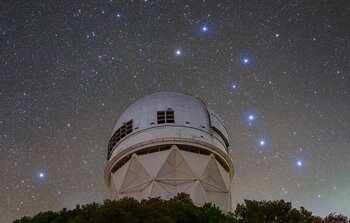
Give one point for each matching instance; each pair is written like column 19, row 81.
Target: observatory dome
column 190, row 111
column 171, row 109
column 165, row 141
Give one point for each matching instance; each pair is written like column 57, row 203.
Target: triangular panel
column 138, row 188
column 192, row 189
column 195, row 161
column 200, row 196
column 118, row 176
column 212, row 176
column 139, row 192
column 159, row 191
column 224, row 174
column 146, row 192
column 153, row 161
column 170, row 188
column 175, row 167
column 188, row 187
column 136, row 174
column 112, row 190
column 214, row 188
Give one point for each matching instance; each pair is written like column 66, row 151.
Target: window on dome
column 120, row 133
column 165, row 116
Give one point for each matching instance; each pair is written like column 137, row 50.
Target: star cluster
column 276, row 72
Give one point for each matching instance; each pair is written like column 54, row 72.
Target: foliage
column 270, row 211
column 181, row 209
column 333, row 218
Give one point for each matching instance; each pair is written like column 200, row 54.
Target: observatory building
column 167, row 143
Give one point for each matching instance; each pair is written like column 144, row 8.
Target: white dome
column 166, row 143
column 187, row 111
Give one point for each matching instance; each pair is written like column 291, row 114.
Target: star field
column 276, row 72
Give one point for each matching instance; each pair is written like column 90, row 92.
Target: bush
column 181, row 209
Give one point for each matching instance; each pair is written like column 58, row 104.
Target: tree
column 270, row 212
column 181, row 209
column 336, row 218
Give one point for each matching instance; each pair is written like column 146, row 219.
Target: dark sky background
column 278, row 73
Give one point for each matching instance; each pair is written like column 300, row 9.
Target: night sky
column 277, row 72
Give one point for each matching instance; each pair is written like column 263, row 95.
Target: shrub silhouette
column 181, row 209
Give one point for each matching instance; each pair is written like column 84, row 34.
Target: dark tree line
column 181, row 209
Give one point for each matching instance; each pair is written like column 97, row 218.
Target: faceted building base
column 171, row 170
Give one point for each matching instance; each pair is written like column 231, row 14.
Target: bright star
column 119, row 15
column 178, row 52
column 262, row 142
column 251, row 117
column 245, row 60
column 41, row 175
column 299, row 163
column 234, row 86
column 204, row 28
